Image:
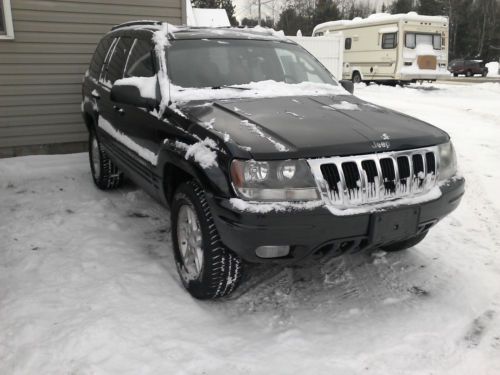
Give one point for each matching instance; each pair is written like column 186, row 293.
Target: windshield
column 227, row 62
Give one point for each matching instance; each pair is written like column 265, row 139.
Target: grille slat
column 355, row 180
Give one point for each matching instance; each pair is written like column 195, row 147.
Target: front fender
column 213, row 179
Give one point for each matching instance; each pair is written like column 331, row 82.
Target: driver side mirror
column 129, row 94
column 347, row 85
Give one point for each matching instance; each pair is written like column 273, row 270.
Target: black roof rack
column 137, row 23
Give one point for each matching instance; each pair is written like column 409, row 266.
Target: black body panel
column 311, row 127
column 313, row 230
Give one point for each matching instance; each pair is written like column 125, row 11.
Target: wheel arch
column 175, row 170
column 356, row 70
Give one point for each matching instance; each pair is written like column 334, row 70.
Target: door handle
column 119, row 110
column 95, row 94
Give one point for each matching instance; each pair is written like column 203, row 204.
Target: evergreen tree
column 402, row 6
column 326, row 10
column 291, row 21
column 432, row 7
column 252, row 22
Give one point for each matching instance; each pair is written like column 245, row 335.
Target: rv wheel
column 356, row 77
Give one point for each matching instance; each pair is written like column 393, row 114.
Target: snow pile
column 257, row 130
column 122, row 138
column 146, row 85
column 262, row 89
column 160, row 40
column 264, row 208
column 202, row 152
column 493, row 69
column 265, row 30
column 343, row 106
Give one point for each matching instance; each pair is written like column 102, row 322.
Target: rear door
column 92, row 90
column 111, row 119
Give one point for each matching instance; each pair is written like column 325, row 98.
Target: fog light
column 272, row 251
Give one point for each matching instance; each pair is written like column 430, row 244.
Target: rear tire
column 455, row 74
column 405, row 244
column 468, row 73
column 207, row 268
column 356, row 77
column 105, row 173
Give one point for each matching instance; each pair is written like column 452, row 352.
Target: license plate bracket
column 394, row 225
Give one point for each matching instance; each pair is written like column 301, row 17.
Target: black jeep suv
column 261, row 155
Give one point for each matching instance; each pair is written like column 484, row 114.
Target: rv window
column 436, row 41
column 348, row 43
column 410, row 40
column 389, row 41
column 320, row 33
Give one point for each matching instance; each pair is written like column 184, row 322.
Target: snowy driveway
column 88, row 285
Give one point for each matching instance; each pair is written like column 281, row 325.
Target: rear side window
column 140, row 61
column 116, row 63
column 348, row 43
column 389, row 40
column 99, row 56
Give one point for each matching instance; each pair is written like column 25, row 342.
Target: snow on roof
column 381, row 18
column 210, row 18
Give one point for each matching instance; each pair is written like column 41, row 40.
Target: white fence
column 327, row 49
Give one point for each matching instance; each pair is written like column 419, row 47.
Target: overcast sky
column 248, row 8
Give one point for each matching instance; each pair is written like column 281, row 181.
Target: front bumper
column 309, row 231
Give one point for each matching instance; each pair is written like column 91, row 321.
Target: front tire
column 468, row 73
column 405, row 244
column 207, row 268
column 105, row 174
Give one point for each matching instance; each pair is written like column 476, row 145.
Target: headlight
column 447, row 161
column 289, row 180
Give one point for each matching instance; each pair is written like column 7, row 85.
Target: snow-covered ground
column 88, row 284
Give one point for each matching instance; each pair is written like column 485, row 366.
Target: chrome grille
column 353, row 180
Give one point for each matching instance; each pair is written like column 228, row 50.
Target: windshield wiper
column 229, row 87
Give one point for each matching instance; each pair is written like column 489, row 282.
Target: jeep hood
column 310, row 126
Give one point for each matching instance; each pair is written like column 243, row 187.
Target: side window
column 113, row 69
column 436, row 41
column 99, row 56
column 348, row 43
column 389, row 40
column 140, row 60
column 410, row 40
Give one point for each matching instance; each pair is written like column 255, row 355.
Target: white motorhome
column 392, row 47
